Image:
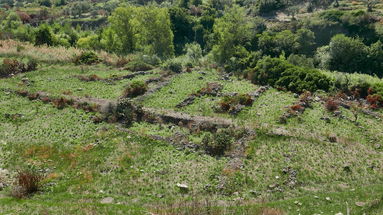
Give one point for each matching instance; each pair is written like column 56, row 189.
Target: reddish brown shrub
column 89, row 78
column 297, row 107
column 23, row 93
column 33, row 96
column 27, row 183
column 122, row 61
column 60, row 103
column 375, row 101
column 12, row 67
column 45, row 99
column 331, row 105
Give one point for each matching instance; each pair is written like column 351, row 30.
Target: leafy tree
column 306, row 41
column 144, row 29
column 347, row 54
column 122, row 25
column 154, row 31
column 375, row 59
column 266, row 6
column 231, row 33
column 46, row 3
column 182, row 28
column 110, row 41
column 274, row 44
column 44, row 35
column 89, row 42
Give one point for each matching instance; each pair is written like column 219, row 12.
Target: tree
column 344, row 54
column 122, row 24
column 144, row 29
column 375, row 59
column 154, row 31
column 44, row 35
column 274, row 44
column 306, row 41
column 231, row 33
column 46, row 3
column 182, row 28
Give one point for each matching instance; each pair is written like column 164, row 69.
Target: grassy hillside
column 314, row 163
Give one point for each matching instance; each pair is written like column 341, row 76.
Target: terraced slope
column 312, row 162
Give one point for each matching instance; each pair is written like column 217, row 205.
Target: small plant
column 19, row 48
column 122, row 61
column 12, row 67
column 135, row 89
column 297, row 107
column 234, row 104
column 86, row 58
column 61, row 103
column 174, row 65
column 138, row 65
column 375, row 101
column 89, row 78
column 27, row 183
column 217, row 144
column 331, row 105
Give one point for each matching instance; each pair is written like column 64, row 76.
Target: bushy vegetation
column 277, row 72
column 135, row 89
column 11, row 67
column 86, row 58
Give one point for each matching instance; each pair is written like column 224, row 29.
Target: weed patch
column 135, row 89
column 27, row 183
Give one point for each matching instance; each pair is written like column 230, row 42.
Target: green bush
column 298, row 79
column 86, row 58
column 268, row 70
column 174, row 65
column 135, row 89
column 218, row 143
column 277, row 72
column 138, row 65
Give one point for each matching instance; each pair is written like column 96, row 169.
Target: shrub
column 277, row 72
column 174, row 65
column 375, row 101
column 217, row 144
column 87, row 57
column 331, row 105
column 138, row 65
column 135, row 89
column 298, row 79
column 125, row 112
column 13, row 67
column 122, row 61
column 89, row 78
column 44, row 35
column 234, row 104
column 27, row 183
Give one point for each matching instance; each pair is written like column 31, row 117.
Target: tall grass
column 45, row 54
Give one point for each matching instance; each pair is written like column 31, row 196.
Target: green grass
column 58, row 80
column 85, row 162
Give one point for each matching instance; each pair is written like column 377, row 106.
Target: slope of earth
column 316, row 162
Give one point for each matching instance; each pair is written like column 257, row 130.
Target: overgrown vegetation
column 11, row 67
